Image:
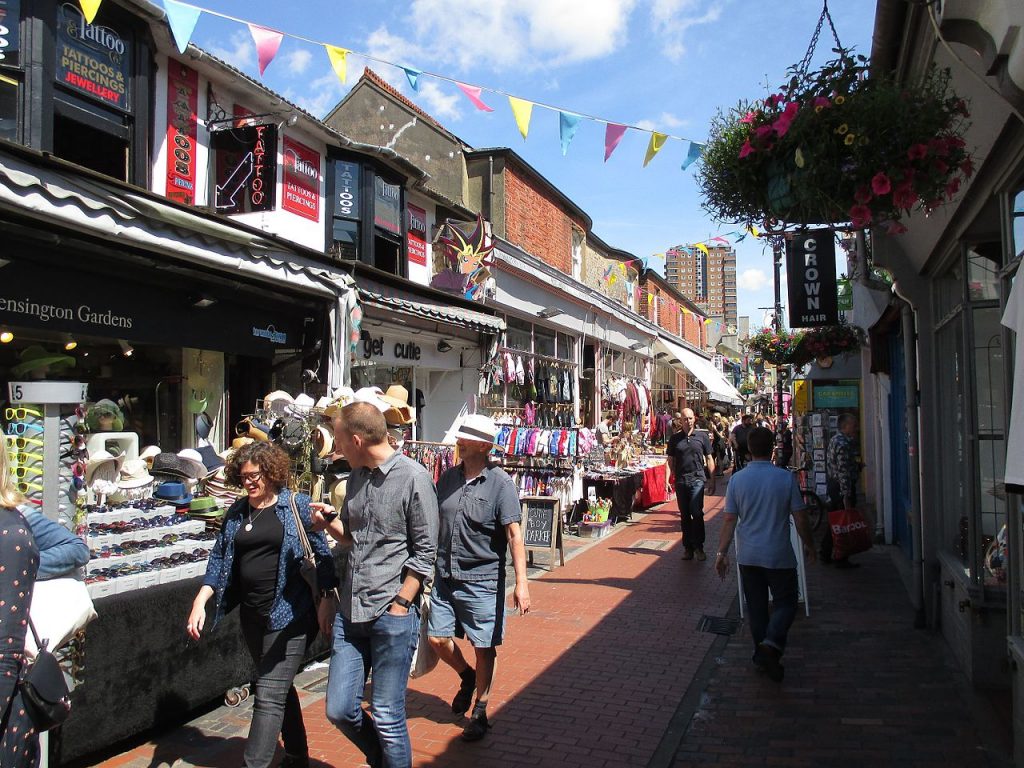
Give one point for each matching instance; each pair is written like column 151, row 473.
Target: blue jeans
column 784, row 588
column 384, row 645
column 690, row 497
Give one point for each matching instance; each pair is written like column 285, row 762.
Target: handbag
column 850, row 533
column 307, row 566
column 424, row 658
column 60, row 608
column 44, row 690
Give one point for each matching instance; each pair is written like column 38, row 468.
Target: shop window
column 91, row 147
column 564, row 345
column 345, row 239
column 8, row 108
column 519, row 335
column 543, row 341
column 387, row 255
column 983, row 272
column 346, row 208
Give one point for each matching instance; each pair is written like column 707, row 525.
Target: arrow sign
column 235, row 180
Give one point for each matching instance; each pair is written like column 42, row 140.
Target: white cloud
column 320, row 95
column 672, row 18
column 752, row 280
column 240, row 52
column 663, row 124
column 297, row 61
column 437, row 102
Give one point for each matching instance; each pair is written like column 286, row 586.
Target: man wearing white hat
column 479, row 521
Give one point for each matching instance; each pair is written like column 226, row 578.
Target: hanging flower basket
column 774, row 347
column 836, row 147
column 830, row 341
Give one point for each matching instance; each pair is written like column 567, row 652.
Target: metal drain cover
column 658, row 544
column 718, row 625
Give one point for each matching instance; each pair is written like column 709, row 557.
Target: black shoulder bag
column 44, row 689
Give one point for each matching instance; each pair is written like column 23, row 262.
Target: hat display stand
column 50, row 395
column 294, row 428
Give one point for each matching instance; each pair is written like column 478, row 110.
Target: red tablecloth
column 654, row 489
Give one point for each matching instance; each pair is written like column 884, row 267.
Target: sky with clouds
column 665, row 65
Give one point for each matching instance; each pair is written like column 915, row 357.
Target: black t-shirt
column 257, row 553
column 740, row 433
column 688, row 452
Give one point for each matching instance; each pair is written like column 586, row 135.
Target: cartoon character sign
column 465, row 260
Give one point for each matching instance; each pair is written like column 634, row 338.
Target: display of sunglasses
column 24, row 485
column 22, row 442
column 26, row 471
column 23, row 457
column 20, row 427
column 21, row 413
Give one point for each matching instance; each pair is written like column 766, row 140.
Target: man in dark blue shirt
column 480, row 515
column 689, row 455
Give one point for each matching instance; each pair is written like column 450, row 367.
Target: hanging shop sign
column 301, row 188
column 82, row 303
column 93, row 59
column 387, row 208
column 10, row 33
column 346, row 190
column 844, row 295
column 836, row 397
column 404, row 350
column 417, row 235
column 246, row 169
column 811, row 274
column 182, row 102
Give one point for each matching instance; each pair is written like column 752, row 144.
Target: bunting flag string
column 182, row 18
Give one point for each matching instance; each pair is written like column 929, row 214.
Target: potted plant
column 830, row 341
column 774, row 347
column 836, row 147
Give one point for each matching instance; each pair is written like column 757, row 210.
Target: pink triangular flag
column 613, row 134
column 267, row 42
column 473, row 94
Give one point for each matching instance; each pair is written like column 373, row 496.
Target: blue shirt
column 60, row 551
column 764, row 496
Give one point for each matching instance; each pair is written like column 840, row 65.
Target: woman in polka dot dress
column 19, row 560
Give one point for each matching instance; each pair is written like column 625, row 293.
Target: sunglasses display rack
column 46, row 450
column 292, row 427
column 141, row 545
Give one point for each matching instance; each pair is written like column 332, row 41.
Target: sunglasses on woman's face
column 21, row 414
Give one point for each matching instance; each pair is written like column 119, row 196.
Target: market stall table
column 620, row 486
column 654, row 486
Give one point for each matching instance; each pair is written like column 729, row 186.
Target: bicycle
column 817, row 509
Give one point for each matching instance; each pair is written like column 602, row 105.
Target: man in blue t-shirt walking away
column 758, row 505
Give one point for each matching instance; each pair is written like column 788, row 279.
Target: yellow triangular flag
column 702, row 247
column 753, row 230
column 612, row 279
column 654, row 147
column 338, row 63
column 90, row 8
column 521, row 110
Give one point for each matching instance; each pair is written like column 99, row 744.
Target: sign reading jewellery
column 246, row 169
column 811, row 275
column 92, row 59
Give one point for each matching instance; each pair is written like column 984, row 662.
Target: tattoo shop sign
column 301, row 189
column 92, row 59
column 245, row 169
column 811, row 275
column 182, row 102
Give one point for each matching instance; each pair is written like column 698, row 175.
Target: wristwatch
column 407, row 604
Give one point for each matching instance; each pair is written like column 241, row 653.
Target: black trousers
column 277, row 655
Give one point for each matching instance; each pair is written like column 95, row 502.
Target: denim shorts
column 478, row 607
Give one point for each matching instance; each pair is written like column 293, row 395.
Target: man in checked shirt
column 389, row 519
column 843, row 465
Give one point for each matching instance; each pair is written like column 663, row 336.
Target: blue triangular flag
column 692, row 154
column 413, row 77
column 567, row 125
column 182, row 20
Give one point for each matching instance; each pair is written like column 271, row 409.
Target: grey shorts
column 478, row 607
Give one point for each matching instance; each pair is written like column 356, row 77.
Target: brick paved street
column 610, row 670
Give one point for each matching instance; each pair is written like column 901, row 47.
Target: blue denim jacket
column 292, row 596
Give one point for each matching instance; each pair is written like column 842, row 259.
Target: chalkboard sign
column 542, row 525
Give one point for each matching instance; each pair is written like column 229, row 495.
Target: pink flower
column 860, row 216
column 821, row 101
column 941, row 166
column 774, row 100
column 895, row 228
column 939, row 146
column 782, row 123
column 763, row 132
column 967, row 167
column 748, row 118
column 904, row 195
column 746, row 149
column 917, row 152
column 952, row 187
column 880, row 184
column 862, row 195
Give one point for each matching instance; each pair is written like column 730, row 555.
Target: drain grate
column 658, row 544
column 718, row 625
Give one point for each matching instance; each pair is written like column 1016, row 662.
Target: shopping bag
column 424, row 658
column 850, row 533
column 60, row 607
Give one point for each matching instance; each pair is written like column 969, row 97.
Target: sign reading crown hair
column 811, row 279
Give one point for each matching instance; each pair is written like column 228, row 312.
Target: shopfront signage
column 404, row 351
column 271, row 334
column 387, row 212
column 182, row 102
column 10, row 25
column 844, row 294
column 346, row 190
column 836, row 397
column 542, row 525
column 92, row 59
column 301, row 189
column 417, row 237
column 246, row 169
column 811, row 274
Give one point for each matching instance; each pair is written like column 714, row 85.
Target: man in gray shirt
column 389, row 519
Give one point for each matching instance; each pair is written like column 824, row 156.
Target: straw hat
column 103, row 460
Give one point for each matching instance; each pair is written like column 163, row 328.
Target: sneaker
column 687, row 554
column 462, row 700
column 701, row 557
column 766, row 660
column 477, row 727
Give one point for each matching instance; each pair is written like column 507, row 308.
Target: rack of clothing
column 436, row 457
column 535, row 441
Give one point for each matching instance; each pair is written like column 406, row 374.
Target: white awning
column 684, row 359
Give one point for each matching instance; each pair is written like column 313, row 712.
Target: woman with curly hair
column 255, row 563
column 19, row 741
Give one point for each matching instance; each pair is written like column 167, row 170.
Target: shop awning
column 680, row 357
column 404, row 302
